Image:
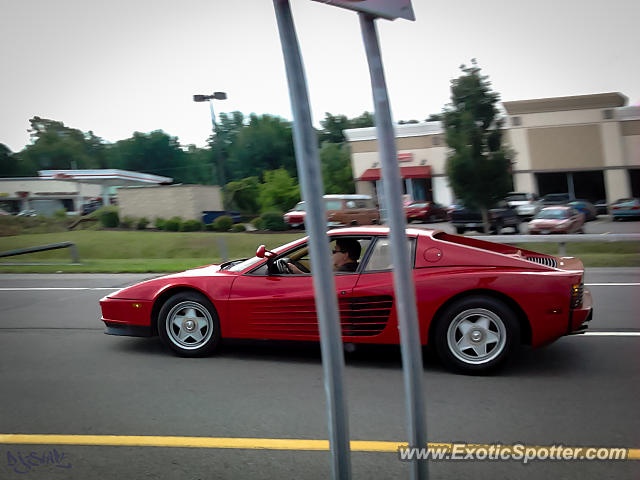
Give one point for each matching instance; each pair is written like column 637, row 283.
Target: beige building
column 587, row 145
column 185, row 201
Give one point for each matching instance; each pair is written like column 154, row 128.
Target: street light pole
column 208, row 98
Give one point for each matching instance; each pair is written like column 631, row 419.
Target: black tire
column 188, row 324
column 496, row 228
column 460, row 230
column 483, row 319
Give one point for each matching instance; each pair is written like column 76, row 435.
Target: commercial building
column 587, row 145
column 68, row 189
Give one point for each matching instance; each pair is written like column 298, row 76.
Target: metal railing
column 562, row 240
column 42, row 248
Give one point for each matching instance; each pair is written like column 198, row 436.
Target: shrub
column 191, row 226
column 127, row 222
column 159, row 223
column 142, row 224
column 222, row 223
column 109, row 217
column 209, row 227
column 238, row 227
column 60, row 214
column 273, row 221
column 173, row 224
column 257, row 223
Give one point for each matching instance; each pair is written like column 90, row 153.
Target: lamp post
column 208, row 98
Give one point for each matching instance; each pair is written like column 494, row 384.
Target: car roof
column 379, row 231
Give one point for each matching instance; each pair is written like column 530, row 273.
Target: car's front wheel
column 476, row 334
column 188, row 324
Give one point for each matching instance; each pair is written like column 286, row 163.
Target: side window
column 380, row 258
column 351, row 204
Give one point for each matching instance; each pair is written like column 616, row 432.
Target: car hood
column 546, row 222
column 149, row 289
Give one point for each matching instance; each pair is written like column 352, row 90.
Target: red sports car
column 477, row 301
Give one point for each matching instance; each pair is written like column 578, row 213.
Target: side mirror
column 262, row 252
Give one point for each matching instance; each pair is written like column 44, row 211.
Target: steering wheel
column 282, row 265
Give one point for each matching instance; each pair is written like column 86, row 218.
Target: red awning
column 422, row 171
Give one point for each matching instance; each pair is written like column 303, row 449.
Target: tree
column 336, row 168
column 333, row 126
column 156, row 153
column 8, row 162
column 434, row 117
column 279, row 191
column 227, row 129
column 266, row 143
column 478, row 166
column 56, row 146
column 243, row 195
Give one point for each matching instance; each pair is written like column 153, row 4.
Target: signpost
column 309, row 173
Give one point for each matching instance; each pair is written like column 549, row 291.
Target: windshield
column 299, row 206
column 554, row 213
column 249, row 262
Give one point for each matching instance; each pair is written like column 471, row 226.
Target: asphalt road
column 60, row 375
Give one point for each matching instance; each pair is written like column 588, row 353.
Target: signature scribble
column 25, row 462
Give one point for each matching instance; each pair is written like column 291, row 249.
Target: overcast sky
column 119, row 66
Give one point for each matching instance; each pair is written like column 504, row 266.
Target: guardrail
column 562, row 240
column 53, row 246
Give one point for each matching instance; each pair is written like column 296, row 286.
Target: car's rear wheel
column 476, row 334
column 460, row 230
column 188, row 324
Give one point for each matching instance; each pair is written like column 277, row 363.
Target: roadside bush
column 191, row 226
column 222, row 223
column 238, row 227
column 142, row 223
column 60, row 214
column 173, row 224
column 109, row 217
column 209, row 227
column 273, row 221
column 257, row 223
column 127, row 222
column 159, row 223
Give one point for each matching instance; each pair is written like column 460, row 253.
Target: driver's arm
column 294, row 269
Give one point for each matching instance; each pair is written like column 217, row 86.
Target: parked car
column 602, row 208
column 558, row 219
column 425, row 212
column 526, row 204
column 342, row 210
column 585, row 207
column 501, row 216
column 555, row 199
column 625, row 208
column 476, row 300
column 3, row 212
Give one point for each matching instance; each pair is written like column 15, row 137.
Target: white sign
column 389, row 9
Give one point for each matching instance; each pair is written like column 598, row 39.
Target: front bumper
column 126, row 317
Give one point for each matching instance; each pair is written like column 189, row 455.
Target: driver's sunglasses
column 339, row 251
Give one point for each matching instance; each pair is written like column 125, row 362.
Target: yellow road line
column 233, row 443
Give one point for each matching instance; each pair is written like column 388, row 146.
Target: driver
column 345, row 256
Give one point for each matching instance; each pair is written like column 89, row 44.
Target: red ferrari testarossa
column 477, row 301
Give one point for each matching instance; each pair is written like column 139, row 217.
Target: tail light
column 635, row 208
column 577, row 291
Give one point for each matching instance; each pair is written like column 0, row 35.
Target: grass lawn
column 136, row 251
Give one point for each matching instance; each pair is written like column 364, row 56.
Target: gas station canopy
column 106, row 178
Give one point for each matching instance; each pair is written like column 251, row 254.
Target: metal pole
column 402, row 276
column 310, row 176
